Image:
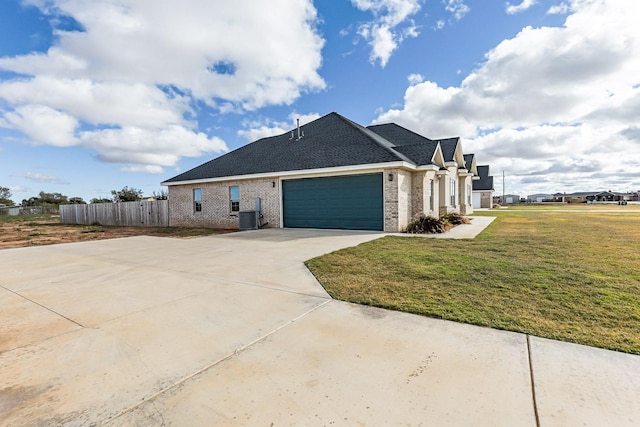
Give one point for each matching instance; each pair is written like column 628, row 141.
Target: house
column 483, row 189
column 591, row 196
column 329, row 173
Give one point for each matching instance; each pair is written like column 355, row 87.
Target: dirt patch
column 24, row 233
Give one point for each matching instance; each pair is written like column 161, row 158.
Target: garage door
column 477, row 200
column 352, row 202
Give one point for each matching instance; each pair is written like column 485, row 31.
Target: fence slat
column 134, row 214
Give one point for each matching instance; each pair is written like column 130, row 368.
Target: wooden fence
column 141, row 214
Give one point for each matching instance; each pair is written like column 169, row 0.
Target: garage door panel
column 348, row 202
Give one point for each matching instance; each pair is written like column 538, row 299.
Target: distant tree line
column 127, row 194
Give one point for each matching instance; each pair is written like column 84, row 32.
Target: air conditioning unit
column 248, row 220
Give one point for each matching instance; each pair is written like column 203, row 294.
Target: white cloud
column 101, row 103
column 149, row 147
column 38, row 177
column 146, row 169
column 132, row 79
column 44, row 125
column 414, row 79
column 546, row 101
column 559, row 9
column 390, row 27
column 257, row 130
column 19, row 189
column 457, row 8
column 512, row 9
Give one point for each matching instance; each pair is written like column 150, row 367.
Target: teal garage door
column 352, row 202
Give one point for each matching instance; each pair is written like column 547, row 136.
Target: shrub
column 454, row 218
column 425, row 225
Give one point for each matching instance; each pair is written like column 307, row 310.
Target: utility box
column 248, row 220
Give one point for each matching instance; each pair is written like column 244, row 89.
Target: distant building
column 540, row 198
column 483, row 189
column 509, row 199
column 594, row 196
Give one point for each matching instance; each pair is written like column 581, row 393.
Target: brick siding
column 216, row 209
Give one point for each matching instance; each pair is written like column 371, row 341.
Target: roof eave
column 285, row 174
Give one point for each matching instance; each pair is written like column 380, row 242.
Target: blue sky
column 96, row 95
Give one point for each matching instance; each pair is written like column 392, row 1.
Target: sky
column 96, row 95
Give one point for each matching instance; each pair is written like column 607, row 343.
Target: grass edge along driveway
column 562, row 275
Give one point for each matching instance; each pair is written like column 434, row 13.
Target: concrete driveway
column 234, row 330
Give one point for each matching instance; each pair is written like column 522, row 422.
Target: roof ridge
column 403, row 128
column 383, row 142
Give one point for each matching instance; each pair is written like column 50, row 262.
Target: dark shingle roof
column 330, row 141
column 399, row 135
column 402, row 137
column 468, row 161
column 449, row 146
column 416, row 147
column 485, row 183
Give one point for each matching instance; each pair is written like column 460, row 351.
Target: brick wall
column 390, row 200
column 405, row 197
column 419, row 193
column 486, row 199
column 216, row 210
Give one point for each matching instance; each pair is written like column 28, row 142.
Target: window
column 197, row 200
column 469, row 191
column 452, row 187
column 431, row 195
column 234, row 198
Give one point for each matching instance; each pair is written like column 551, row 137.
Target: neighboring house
column 591, row 196
column 329, row 173
column 577, row 197
column 483, row 189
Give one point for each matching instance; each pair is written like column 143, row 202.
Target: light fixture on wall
column 390, row 177
column 273, row 184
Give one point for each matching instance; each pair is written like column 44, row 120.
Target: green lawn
column 572, row 276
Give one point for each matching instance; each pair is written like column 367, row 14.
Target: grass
column 31, row 220
column 561, row 275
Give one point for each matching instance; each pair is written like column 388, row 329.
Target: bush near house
column 431, row 225
column 426, row 225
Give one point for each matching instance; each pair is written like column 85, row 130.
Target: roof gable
column 452, row 150
column 470, row 164
column 485, row 183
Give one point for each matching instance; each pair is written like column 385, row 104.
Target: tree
column 52, row 199
column 161, row 195
column 102, row 200
column 5, row 196
column 77, row 201
column 46, row 199
column 127, row 194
